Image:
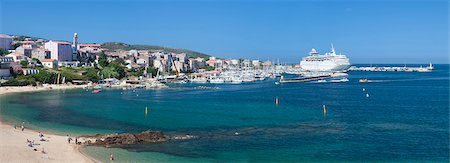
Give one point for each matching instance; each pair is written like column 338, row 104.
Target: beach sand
column 18, row 89
column 14, row 147
column 13, row 142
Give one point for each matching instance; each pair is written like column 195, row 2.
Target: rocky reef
column 112, row 140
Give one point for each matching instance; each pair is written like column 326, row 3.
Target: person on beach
column 68, row 139
column 22, row 127
column 15, row 127
column 111, row 157
column 76, row 140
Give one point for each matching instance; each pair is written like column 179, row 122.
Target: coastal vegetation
column 105, row 69
column 24, row 80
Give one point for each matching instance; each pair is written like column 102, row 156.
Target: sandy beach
column 18, row 89
column 13, row 142
column 14, row 147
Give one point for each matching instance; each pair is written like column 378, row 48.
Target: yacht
column 236, row 80
column 339, row 80
column 330, row 61
column 199, row 80
column 216, row 80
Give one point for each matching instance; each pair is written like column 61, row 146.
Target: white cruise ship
column 326, row 62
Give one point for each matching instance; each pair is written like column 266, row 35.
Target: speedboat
column 96, row 91
column 363, row 80
column 339, row 80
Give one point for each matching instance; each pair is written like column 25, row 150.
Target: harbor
column 224, row 81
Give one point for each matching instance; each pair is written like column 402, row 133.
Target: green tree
column 37, row 60
column 119, row 68
column 136, row 72
column 3, row 52
column 209, row 68
column 103, row 60
column 92, row 74
column 24, row 63
column 45, row 76
column 152, row 71
column 71, row 75
column 110, row 72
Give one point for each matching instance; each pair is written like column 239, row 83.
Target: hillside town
column 32, row 61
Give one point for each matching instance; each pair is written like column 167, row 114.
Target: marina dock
column 403, row 69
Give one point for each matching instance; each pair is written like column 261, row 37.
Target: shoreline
column 11, row 138
column 56, row 147
column 22, row 89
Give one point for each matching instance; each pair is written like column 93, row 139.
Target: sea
column 399, row 117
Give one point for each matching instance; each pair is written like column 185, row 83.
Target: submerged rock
column 123, row 139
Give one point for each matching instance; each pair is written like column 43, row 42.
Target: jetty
column 401, row 69
column 303, row 79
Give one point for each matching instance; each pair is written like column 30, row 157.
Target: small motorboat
column 96, row 91
column 363, row 80
column 339, row 80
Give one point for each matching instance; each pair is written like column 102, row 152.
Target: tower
column 75, row 47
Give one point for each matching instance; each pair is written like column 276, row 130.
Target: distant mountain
column 114, row 46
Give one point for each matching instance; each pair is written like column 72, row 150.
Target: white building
column 246, row 63
column 179, row 66
column 5, row 65
column 235, row 62
column 267, row 64
column 61, row 51
column 256, row 63
column 49, row 63
column 72, row 64
column 141, row 61
column 40, row 53
column 5, row 41
column 24, row 50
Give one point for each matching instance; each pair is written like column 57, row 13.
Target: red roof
column 60, row 42
column 47, row 60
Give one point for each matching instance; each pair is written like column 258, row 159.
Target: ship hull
column 324, row 65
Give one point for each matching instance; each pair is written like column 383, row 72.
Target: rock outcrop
column 109, row 140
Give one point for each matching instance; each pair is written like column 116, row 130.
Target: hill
column 114, row 46
column 22, row 38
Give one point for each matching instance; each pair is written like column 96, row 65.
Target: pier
column 403, row 69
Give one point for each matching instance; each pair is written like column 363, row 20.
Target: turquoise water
column 405, row 119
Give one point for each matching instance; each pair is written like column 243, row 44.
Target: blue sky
column 368, row 32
